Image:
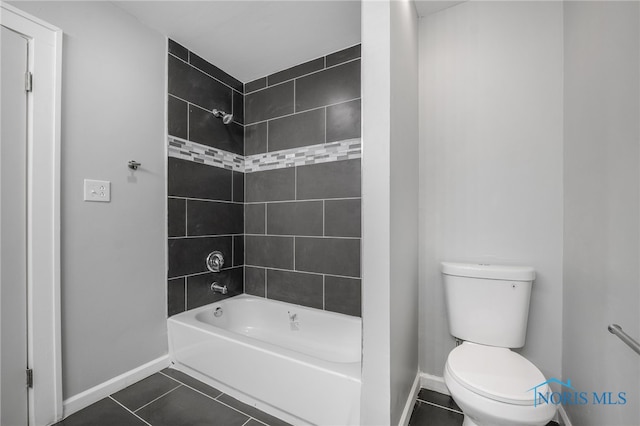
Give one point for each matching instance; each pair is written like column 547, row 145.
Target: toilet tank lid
column 495, row 272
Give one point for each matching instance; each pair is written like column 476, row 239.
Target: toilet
column 488, row 308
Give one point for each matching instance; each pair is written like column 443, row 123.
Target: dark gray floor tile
column 296, row 218
column 303, row 129
column 331, row 86
column 252, row 411
column 428, row 415
column 342, row 218
column 343, row 121
column 271, row 185
column 334, row 256
column 144, row 391
column 438, row 399
column 295, row 287
column 186, row 407
column 187, row 380
column 254, row 281
column 268, row 251
column 105, row 412
column 337, row 179
column 343, row 295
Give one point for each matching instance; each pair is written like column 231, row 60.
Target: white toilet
column 488, row 308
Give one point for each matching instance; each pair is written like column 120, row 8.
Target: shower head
column 226, row 118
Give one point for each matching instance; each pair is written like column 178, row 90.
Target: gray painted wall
column 113, row 255
column 403, row 204
column 601, row 205
column 491, row 161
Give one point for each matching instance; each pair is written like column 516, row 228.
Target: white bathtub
column 305, row 371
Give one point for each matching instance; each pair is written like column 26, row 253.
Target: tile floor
column 172, row 398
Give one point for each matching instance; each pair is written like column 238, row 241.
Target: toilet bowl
column 492, row 387
column 488, row 309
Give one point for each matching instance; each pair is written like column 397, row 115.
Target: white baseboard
column 563, row 418
column 434, row 383
column 411, row 401
column 96, row 393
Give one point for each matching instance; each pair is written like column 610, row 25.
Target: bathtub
column 299, row 364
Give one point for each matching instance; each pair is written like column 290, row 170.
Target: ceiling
column 251, row 39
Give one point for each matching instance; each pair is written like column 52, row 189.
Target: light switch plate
column 97, row 190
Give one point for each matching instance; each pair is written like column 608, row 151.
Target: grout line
column 265, row 220
column 290, row 235
column 184, row 281
column 232, row 252
column 265, row 283
column 295, row 182
column 294, row 95
column 145, row 422
column 439, row 406
column 154, row 400
column 202, row 273
column 178, row 197
column 324, row 213
column 267, row 143
column 294, row 252
column 266, row 268
column 324, row 293
column 303, row 111
column 206, row 236
column 304, row 200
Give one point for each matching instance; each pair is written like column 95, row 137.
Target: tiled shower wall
column 205, row 205
column 290, row 193
column 302, row 222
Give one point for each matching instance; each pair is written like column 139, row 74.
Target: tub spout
column 217, row 288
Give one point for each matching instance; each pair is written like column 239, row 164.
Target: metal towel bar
column 632, row 343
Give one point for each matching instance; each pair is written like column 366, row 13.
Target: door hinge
column 28, row 81
column 29, row 378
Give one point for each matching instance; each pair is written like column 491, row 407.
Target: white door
column 13, row 229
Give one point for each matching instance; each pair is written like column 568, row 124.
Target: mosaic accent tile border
column 198, row 153
column 315, row 154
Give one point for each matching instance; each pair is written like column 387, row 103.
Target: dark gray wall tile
column 238, row 107
column 193, row 180
column 206, row 129
column 269, row 103
column 176, row 220
column 297, row 218
column 238, row 250
column 177, row 118
column 270, row 185
column 274, row 252
column 343, row 121
column 199, row 291
column 331, row 86
column 344, row 55
column 175, row 296
column 254, row 219
column 334, row 256
column 342, row 218
column 254, row 281
column 255, row 138
column 238, row 187
column 191, row 84
column 215, row 72
column 307, row 128
column 259, row 83
column 338, row 179
column 214, row 218
column 188, row 255
column 297, row 71
column 178, row 50
column 343, row 295
column 295, row 287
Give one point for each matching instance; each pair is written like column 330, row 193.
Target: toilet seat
column 495, row 373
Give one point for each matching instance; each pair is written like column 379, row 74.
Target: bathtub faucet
column 217, row 288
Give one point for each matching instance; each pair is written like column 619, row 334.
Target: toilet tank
column 488, row 304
